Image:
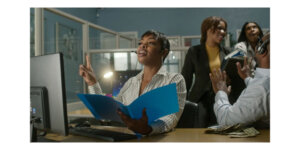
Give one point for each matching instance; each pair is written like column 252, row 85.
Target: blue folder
column 159, row 102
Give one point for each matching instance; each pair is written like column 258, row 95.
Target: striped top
column 130, row 91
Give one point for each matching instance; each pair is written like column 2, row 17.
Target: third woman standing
column 200, row 61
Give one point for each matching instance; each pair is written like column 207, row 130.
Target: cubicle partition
column 53, row 31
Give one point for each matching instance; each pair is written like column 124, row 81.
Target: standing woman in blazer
column 200, row 60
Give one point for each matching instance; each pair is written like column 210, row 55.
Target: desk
column 178, row 135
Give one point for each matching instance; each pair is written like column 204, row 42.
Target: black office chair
column 193, row 116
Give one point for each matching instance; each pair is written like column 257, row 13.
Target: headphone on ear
column 165, row 44
column 261, row 46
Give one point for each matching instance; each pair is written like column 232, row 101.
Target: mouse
column 84, row 124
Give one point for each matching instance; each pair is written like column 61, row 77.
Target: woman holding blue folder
column 152, row 50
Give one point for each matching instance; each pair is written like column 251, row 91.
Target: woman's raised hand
column 87, row 72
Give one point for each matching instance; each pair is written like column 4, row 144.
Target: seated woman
column 152, row 50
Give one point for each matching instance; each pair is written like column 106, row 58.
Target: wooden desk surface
column 178, row 135
column 198, row 135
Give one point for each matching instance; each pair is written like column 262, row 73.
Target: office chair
column 193, row 116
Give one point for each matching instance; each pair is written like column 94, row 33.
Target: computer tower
column 39, row 108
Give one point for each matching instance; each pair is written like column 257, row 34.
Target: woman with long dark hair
column 250, row 34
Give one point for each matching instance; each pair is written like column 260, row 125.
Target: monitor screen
column 47, row 71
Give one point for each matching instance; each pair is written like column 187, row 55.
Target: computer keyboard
column 101, row 134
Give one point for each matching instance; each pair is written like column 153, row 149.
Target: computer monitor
column 47, row 72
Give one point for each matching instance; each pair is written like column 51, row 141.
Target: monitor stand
column 35, row 136
column 33, row 131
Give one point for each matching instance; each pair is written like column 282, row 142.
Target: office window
column 94, row 38
column 65, row 36
column 134, row 63
column 99, row 39
column 108, row 41
column 102, row 64
column 191, row 42
column 172, row 62
column 121, row 61
column 125, row 43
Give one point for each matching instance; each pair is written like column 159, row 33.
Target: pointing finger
column 88, row 62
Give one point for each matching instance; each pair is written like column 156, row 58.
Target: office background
column 284, row 38
column 109, row 35
column 171, row 21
